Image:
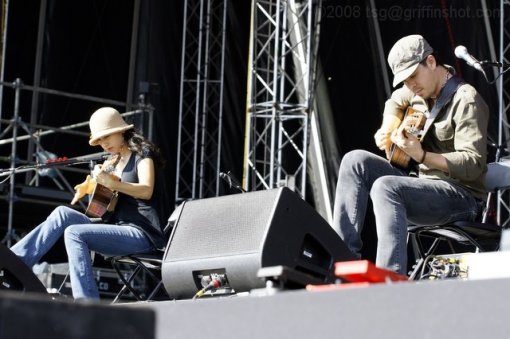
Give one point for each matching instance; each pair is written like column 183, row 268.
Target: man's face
column 422, row 81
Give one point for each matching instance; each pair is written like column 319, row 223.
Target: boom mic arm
column 91, row 157
column 60, row 161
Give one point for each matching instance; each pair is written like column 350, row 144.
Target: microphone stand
column 500, row 145
column 498, row 64
column 494, row 63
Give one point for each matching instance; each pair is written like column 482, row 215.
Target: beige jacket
column 459, row 133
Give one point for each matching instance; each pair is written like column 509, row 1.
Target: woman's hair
column 137, row 143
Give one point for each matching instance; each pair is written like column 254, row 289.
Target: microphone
column 461, row 52
column 232, row 182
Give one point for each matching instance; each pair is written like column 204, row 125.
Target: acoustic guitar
column 413, row 123
column 103, row 199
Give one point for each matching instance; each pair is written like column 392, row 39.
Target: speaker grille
column 239, row 221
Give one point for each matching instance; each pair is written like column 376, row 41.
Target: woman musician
column 132, row 227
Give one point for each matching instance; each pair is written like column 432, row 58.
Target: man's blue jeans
column 81, row 236
column 398, row 200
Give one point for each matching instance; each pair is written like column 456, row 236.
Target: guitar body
column 101, row 201
column 399, row 158
column 101, row 198
column 413, row 123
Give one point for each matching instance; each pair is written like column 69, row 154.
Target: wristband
column 423, row 157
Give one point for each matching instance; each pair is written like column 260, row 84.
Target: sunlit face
column 112, row 143
column 423, row 81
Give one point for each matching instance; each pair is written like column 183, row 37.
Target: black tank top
column 139, row 213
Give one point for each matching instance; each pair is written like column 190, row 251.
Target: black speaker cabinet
column 30, row 315
column 15, row 275
column 238, row 234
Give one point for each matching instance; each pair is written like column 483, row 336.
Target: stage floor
column 402, row 310
column 425, row 309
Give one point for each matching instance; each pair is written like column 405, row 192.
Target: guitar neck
column 110, row 165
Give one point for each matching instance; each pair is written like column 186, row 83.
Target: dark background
column 86, row 51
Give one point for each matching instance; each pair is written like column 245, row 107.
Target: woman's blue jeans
column 81, row 237
column 398, row 201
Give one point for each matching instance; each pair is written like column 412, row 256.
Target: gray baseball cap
column 406, row 55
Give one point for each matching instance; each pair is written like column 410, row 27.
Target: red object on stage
column 358, row 273
column 365, row 271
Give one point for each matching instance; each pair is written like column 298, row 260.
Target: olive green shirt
column 459, row 133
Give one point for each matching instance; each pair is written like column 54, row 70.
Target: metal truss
column 282, row 64
column 503, row 199
column 201, row 99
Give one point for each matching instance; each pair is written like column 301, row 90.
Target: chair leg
column 154, row 278
column 155, row 290
column 63, row 282
column 127, row 282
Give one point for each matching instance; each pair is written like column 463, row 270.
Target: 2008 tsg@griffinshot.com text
column 400, row 13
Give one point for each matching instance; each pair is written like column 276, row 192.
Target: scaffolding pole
column 201, row 99
column 280, row 88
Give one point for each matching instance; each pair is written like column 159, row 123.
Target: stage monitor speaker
column 236, row 235
column 15, row 275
